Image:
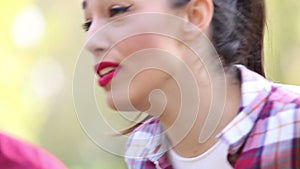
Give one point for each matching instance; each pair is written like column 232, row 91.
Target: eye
column 86, row 25
column 116, row 10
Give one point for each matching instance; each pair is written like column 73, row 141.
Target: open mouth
column 106, row 71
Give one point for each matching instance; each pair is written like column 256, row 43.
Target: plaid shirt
column 265, row 133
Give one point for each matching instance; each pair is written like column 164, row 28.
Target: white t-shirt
column 214, row 158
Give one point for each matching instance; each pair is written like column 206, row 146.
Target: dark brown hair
column 237, row 31
column 237, row 34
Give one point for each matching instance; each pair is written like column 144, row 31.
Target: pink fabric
column 16, row 154
column 264, row 135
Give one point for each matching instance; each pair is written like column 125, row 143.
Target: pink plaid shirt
column 265, row 133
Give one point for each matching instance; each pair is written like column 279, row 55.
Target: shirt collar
column 255, row 90
column 147, row 141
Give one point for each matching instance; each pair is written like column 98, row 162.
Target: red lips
column 106, row 71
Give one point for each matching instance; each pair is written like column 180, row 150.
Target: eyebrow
column 84, row 4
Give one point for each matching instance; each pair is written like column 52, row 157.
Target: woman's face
column 131, row 61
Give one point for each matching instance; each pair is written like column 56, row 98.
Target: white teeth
column 106, row 70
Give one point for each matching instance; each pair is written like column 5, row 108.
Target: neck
column 193, row 119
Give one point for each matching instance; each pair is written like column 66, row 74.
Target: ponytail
column 255, row 33
column 238, row 32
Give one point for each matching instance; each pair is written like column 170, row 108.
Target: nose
column 97, row 42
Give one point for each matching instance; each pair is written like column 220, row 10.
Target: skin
column 103, row 47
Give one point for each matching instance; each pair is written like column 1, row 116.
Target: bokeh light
column 47, row 77
column 28, row 26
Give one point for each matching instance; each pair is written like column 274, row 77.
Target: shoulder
column 280, row 116
column 288, row 88
column 274, row 141
column 284, row 98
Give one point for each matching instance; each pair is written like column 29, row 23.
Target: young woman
column 204, row 111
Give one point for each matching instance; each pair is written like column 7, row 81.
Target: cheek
column 143, row 84
column 110, row 101
column 147, row 41
column 135, row 97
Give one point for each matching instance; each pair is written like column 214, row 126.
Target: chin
column 110, row 101
column 122, row 104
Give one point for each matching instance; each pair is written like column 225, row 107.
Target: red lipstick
column 106, row 71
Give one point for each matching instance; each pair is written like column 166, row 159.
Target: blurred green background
column 39, row 44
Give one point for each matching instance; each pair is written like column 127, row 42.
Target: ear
column 200, row 13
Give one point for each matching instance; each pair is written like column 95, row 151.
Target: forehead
column 102, row 7
column 85, row 3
